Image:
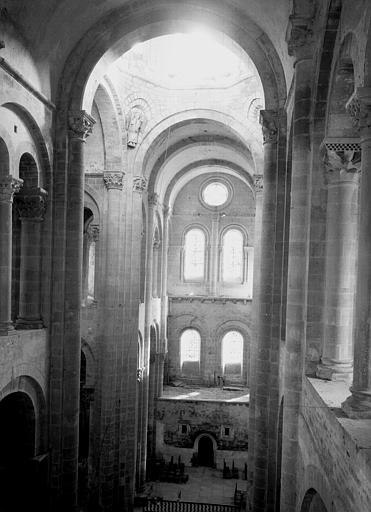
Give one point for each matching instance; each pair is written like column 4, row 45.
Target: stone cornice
column 208, row 300
column 113, row 180
column 31, row 204
column 8, row 187
column 80, row 124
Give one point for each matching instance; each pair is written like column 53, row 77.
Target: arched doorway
column 17, row 449
column 313, row 502
column 206, row 451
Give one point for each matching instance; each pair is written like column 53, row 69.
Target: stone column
column 164, row 297
column 80, row 124
column 111, row 336
column 31, row 205
column 342, row 163
column 258, row 186
column 358, row 405
column 299, row 46
column 8, row 187
column 150, row 351
column 264, row 311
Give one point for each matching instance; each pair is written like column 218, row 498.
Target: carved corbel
column 80, row 124
column 139, row 184
column 31, row 204
column 268, row 121
column 114, row 180
column 359, row 108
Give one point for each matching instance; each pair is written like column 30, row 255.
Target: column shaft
column 358, row 405
column 8, row 186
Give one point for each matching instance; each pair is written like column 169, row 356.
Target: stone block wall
column 202, row 417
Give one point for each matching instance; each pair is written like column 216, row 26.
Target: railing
column 186, row 506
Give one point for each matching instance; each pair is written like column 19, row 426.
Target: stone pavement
column 205, row 485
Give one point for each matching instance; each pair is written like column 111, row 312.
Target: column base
column 358, row 405
column 335, row 372
column 23, row 324
column 6, row 328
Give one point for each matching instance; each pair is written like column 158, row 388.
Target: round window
column 215, row 194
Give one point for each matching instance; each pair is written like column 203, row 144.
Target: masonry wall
column 202, row 417
column 334, row 456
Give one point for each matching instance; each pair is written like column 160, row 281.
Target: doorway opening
column 206, row 451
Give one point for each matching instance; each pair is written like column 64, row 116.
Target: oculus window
column 232, row 353
column 232, row 266
column 194, row 255
column 190, row 347
column 215, row 194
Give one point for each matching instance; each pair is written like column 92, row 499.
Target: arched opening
column 206, row 451
column 313, row 502
column 20, row 482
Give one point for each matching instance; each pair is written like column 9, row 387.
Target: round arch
column 313, row 502
column 198, row 442
column 103, row 43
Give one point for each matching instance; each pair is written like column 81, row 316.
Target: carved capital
column 299, row 36
column 93, row 232
column 342, row 162
column 359, row 108
column 153, row 199
column 269, row 122
column 156, row 244
column 8, row 187
column 114, row 180
column 31, row 205
column 80, row 124
column 258, row 183
column 139, row 184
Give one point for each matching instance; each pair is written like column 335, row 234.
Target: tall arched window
column 194, row 255
column 190, row 348
column 232, row 353
column 232, row 266
column 91, row 271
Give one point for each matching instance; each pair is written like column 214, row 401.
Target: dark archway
column 205, row 451
column 313, row 502
column 19, row 479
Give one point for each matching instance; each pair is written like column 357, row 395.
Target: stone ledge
column 209, row 299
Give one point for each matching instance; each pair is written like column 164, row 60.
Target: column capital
column 342, row 161
column 8, row 187
column 269, row 123
column 299, row 36
column 114, row 180
column 258, row 183
column 153, row 199
column 31, row 204
column 80, row 124
column 140, row 184
column 359, row 108
column 93, row 232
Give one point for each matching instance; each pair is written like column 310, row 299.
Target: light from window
column 233, row 256
column 190, row 344
column 91, row 271
column 232, row 353
column 215, row 194
column 194, row 255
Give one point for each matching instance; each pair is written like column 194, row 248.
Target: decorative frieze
column 114, row 180
column 139, row 184
column 80, row 124
column 268, row 121
column 31, row 205
column 299, row 35
column 359, row 108
column 258, row 183
column 8, row 187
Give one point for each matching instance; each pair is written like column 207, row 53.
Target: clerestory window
column 190, row 348
column 194, row 255
column 233, row 256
